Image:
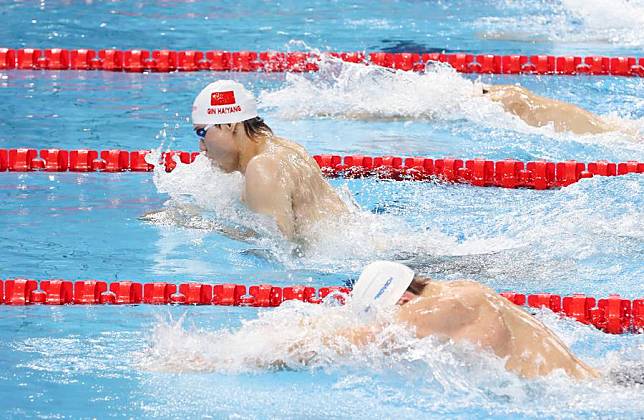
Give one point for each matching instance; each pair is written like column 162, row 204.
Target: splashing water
column 371, row 93
column 203, row 197
column 616, row 22
column 528, row 235
column 302, row 337
column 356, row 91
column 502, row 237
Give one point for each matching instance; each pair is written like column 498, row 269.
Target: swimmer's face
column 220, row 146
column 406, row 297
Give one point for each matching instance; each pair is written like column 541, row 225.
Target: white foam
column 360, row 92
column 617, row 22
column 356, row 91
column 202, row 197
column 301, row 337
column 351, row 242
column 296, row 336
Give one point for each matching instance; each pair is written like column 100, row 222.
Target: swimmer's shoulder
column 263, row 166
column 506, row 91
column 290, row 147
column 468, row 291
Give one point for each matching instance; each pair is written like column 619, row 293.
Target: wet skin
column 539, row 111
column 466, row 311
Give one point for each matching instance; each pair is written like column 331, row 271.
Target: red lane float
column 20, row 160
column 55, row 160
column 82, row 59
column 109, row 60
column 545, row 300
column 7, row 59
column 638, row 315
column 613, row 315
column 186, row 61
column 126, row 292
column 88, row 292
column 57, row 292
column 507, row 173
column 196, row 293
column 263, row 295
column 18, row 291
column 158, row 293
column 516, row 298
column 273, row 61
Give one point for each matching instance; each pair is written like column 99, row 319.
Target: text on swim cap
column 222, row 98
column 382, row 290
column 224, row 110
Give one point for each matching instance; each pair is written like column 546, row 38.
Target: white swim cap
column 381, row 285
column 223, row 102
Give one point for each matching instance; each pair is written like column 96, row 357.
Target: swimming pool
column 112, row 360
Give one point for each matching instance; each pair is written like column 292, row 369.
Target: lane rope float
column 613, row 314
column 164, row 61
column 507, row 173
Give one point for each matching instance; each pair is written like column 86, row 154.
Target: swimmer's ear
column 232, row 127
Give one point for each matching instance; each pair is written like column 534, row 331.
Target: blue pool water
column 146, row 361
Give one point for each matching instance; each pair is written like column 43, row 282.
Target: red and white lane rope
column 273, row 61
column 507, row 173
column 612, row 314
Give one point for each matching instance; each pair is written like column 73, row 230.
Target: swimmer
column 281, row 179
column 540, row 111
column 463, row 311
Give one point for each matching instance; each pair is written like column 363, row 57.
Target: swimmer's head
column 380, row 285
column 223, row 102
column 224, row 116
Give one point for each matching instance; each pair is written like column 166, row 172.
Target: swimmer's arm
column 183, row 208
column 188, row 217
column 355, row 336
column 340, row 341
column 265, row 193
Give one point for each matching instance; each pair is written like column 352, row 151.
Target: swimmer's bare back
column 540, row 111
column 285, row 182
column 469, row 311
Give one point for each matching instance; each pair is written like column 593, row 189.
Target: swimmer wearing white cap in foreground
column 281, row 179
column 463, row 311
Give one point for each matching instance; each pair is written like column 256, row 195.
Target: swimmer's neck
column 430, row 290
column 249, row 148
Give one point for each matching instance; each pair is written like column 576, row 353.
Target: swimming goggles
column 201, row 132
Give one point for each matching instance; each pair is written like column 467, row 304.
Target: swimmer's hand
column 152, row 216
column 189, row 218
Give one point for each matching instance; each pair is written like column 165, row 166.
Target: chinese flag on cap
column 222, row 98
